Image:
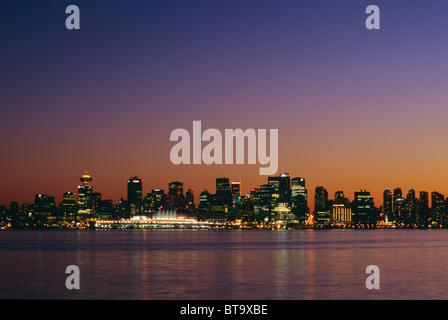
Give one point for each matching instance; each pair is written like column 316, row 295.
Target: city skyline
column 133, row 193
column 355, row 108
column 211, row 187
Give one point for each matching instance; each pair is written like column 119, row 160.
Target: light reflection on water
column 235, row 265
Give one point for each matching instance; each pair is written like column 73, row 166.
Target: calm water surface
column 231, row 265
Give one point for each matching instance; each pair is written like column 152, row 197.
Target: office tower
column 266, row 191
column 341, row 211
column 122, row 209
column 160, row 199
column 255, row 193
column 175, row 188
column 322, row 215
column 236, row 196
column 341, row 214
column 104, row 209
column 68, row 205
column 400, row 213
column 42, row 204
column 423, row 210
column 299, row 202
column 135, row 187
column 176, row 196
column 411, row 205
column 236, row 189
column 44, row 207
column 84, row 196
column 387, row 206
column 154, row 201
column 339, row 198
column 247, row 208
column 320, row 199
column 204, row 200
column 96, row 199
column 363, row 211
column 223, row 192
column 437, row 209
column 397, row 194
column 281, row 191
column 274, row 183
column 189, row 201
column 285, row 189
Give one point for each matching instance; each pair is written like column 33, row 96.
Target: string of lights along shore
column 281, row 203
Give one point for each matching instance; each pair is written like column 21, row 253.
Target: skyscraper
column 154, row 201
column 423, row 210
column 299, row 202
column 363, row 211
column 341, row 212
column 85, row 196
column 322, row 214
column 387, row 206
column 320, row 199
column 44, row 207
column 135, row 187
column 411, row 205
column 437, row 209
column 176, row 195
column 223, row 192
column 236, row 189
column 339, row 198
column 285, row 189
column 189, row 201
column 68, row 205
column 265, row 197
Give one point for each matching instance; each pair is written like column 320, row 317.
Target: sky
column 355, row 108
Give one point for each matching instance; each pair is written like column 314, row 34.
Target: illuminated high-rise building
column 68, row 205
column 236, row 188
column 299, row 202
column 320, row 199
column 423, row 210
column 341, row 214
column 266, row 191
column 437, row 209
column 223, row 192
column 44, row 207
column 363, row 211
column 176, row 195
column 339, row 198
column 175, row 188
column 42, row 204
column 255, row 194
column 411, row 204
column 154, row 201
column 274, row 183
column 396, row 195
column 236, row 193
column 135, row 187
column 204, row 200
column 84, row 195
column 285, row 189
column 189, row 201
column 322, row 210
column 387, row 206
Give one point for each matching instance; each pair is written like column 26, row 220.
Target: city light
column 280, row 204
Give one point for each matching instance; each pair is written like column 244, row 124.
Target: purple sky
column 354, row 108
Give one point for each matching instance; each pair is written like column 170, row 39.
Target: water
column 224, row 265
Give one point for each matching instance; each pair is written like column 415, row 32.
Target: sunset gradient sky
column 354, row 108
